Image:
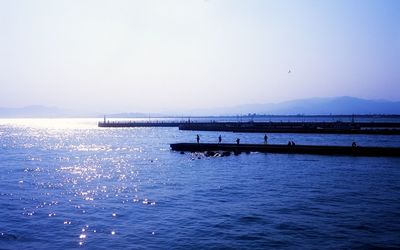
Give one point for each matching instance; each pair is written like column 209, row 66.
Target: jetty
column 287, row 149
column 372, row 128
column 338, row 127
column 136, row 124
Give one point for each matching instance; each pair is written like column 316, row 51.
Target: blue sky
column 155, row 56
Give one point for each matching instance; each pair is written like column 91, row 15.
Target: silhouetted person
column 289, row 143
column 198, row 138
column 219, row 139
column 265, row 139
column 237, row 141
column 293, row 143
column 354, row 144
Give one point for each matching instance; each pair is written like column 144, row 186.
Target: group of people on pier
column 290, row 143
column 237, row 140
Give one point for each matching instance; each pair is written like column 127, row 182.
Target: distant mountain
column 31, row 112
column 314, row 106
column 38, row 111
column 344, row 105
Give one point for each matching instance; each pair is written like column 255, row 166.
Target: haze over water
column 173, row 56
column 67, row 184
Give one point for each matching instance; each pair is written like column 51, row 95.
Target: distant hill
column 32, row 112
column 38, row 111
column 344, row 105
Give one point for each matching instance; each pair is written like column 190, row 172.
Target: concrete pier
column 286, row 149
column 372, row 128
column 131, row 124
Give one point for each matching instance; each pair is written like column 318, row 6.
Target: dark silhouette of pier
column 372, row 128
column 297, row 127
column 135, row 124
column 287, row 149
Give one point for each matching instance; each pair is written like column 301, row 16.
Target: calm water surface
column 66, row 184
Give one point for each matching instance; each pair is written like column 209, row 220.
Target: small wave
column 8, row 236
column 249, row 237
column 250, row 219
column 289, row 227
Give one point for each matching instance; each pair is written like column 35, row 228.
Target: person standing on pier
column 237, row 141
column 198, row 138
column 219, row 139
column 265, row 139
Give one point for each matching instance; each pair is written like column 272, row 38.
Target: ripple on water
column 110, row 188
column 8, row 236
column 251, row 219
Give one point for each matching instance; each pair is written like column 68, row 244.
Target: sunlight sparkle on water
column 111, row 179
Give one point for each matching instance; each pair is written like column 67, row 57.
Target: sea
column 68, row 184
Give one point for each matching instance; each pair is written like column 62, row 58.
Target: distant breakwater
column 378, row 128
column 134, row 124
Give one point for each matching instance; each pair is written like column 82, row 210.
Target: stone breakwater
column 287, row 149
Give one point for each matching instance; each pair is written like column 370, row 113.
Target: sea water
column 67, row 184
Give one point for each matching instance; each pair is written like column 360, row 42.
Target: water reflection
column 128, row 186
